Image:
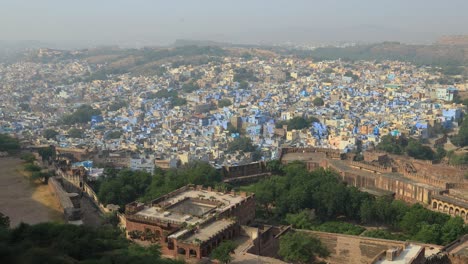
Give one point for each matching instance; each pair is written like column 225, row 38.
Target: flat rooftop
column 209, row 230
column 460, row 193
column 303, row 156
column 191, row 206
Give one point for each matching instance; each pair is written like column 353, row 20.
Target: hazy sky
column 145, row 22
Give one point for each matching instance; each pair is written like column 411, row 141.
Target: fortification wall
column 370, row 167
column 403, row 189
column 244, row 170
column 70, row 210
column 354, row 249
column 343, row 248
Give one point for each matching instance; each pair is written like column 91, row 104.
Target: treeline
column 412, row 147
column 244, row 144
column 125, row 186
column 8, row 143
column 310, row 199
column 297, row 123
column 243, row 75
column 53, row 243
column 172, row 95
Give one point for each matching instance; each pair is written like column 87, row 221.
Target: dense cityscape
column 333, row 151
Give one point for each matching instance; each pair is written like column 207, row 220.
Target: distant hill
column 458, row 40
column 436, row 55
column 191, row 42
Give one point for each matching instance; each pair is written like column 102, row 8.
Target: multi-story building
column 190, row 221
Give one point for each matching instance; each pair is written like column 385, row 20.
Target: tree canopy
column 318, row 101
column 190, row 87
column 297, row 123
column 81, row 115
column 243, row 74
column 60, row 243
column 50, row 133
column 223, row 251
column 8, row 143
column 114, row 134
column 461, row 139
column 122, row 187
column 299, row 247
column 309, row 200
column 76, row 133
column 243, row 144
column 117, row 105
column 224, row 102
column 412, row 147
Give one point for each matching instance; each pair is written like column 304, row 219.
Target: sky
column 161, row 22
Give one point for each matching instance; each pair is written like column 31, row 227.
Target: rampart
column 69, row 202
column 407, row 180
column 254, row 168
column 330, row 153
column 342, row 248
column 370, row 167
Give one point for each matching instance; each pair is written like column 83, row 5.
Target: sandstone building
column 191, row 221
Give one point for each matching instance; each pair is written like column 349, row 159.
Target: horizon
column 159, row 23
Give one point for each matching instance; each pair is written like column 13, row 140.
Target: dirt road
column 22, row 200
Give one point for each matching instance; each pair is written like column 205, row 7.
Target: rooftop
column 191, row 206
column 206, row 232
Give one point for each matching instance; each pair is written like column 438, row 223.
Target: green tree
column 46, row 153
column 275, row 167
column 393, row 145
column 453, row 229
column 4, row 221
column 440, row 153
column 243, row 144
column 75, row 133
column 8, row 143
column 284, row 198
column 50, row 133
column 461, row 139
column 243, row 85
column 43, row 176
column 428, row 233
column 28, row 157
column 190, row 87
column 302, row 220
column 297, row 123
column 117, row 105
column 339, row 227
column 81, row 115
column 301, row 248
column 63, row 244
column 318, row 101
column 224, row 103
column 177, row 101
column 31, row 167
column 243, row 74
column 223, row 251
column 417, row 150
column 114, row 134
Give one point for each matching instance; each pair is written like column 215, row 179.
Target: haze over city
column 217, row 132
column 143, row 22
